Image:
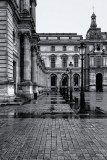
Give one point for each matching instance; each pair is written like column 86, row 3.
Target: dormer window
column 76, row 48
column 64, row 48
column 98, row 47
column 53, row 48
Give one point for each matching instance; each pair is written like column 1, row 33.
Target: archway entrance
column 53, row 82
column 99, row 80
column 76, row 82
column 64, row 85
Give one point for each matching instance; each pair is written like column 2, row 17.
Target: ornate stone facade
column 31, row 62
column 96, row 58
column 20, row 61
column 58, row 50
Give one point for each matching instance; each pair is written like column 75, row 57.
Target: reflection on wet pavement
column 52, row 106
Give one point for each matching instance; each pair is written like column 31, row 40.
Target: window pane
column 75, row 61
column 98, row 61
column 64, row 62
column 53, row 62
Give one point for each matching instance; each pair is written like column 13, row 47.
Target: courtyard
column 50, row 137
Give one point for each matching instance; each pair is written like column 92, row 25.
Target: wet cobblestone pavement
column 51, row 139
column 95, row 99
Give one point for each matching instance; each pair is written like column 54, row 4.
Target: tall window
column 53, row 80
column 64, row 62
column 106, row 47
column 76, row 79
column 104, row 61
column 76, row 48
column 76, row 61
column 92, row 61
column 53, row 48
column 53, row 59
column 98, row 61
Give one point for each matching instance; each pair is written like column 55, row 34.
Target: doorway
column 99, row 80
column 53, row 82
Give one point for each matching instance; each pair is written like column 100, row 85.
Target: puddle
column 53, row 102
column 96, row 112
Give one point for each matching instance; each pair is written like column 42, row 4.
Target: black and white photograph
column 53, row 80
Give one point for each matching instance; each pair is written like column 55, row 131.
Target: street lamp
column 82, row 95
column 70, row 71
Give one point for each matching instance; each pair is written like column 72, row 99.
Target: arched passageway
column 76, row 78
column 64, row 84
column 99, row 80
column 53, row 82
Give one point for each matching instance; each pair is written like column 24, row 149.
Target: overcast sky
column 70, row 16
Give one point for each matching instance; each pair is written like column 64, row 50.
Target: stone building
column 19, row 57
column 96, row 58
column 58, row 50
column 31, row 62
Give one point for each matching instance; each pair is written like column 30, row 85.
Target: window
column 53, row 59
column 106, row 47
column 38, row 48
column 91, row 61
column 98, row 47
column 98, row 61
column 14, row 37
column 64, row 62
column 104, row 61
column 53, row 48
column 76, row 61
column 53, row 80
column 76, row 48
column 64, row 48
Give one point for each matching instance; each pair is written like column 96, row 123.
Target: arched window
column 76, row 79
column 64, row 80
column 53, row 80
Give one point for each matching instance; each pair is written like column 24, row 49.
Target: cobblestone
column 52, row 139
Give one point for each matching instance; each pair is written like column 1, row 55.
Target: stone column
column 19, row 34
column 27, row 57
column 27, row 84
column 26, row 5
column 34, row 67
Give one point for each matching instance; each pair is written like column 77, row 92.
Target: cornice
column 59, row 42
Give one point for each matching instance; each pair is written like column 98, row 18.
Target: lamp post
column 82, row 95
column 70, row 71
